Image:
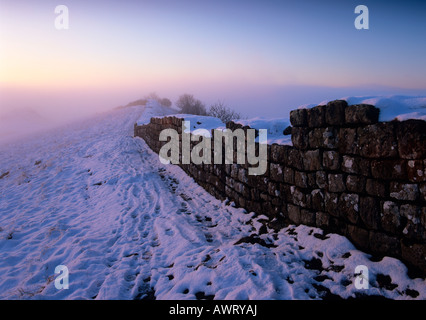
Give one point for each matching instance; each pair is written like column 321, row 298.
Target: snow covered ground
column 93, row 198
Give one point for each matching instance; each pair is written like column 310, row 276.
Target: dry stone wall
column 346, row 172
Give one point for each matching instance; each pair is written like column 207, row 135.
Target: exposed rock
column 349, row 206
column 404, row 191
column 380, row 242
column 307, row 217
column 331, row 160
column 391, row 219
column 312, row 160
column 375, row 188
column 388, row 169
column 361, row 114
column 411, row 136
column 414, row 228
column 358, row 236
column 336, row 183
column 335, row 112
column 288, row 175
column 294, row 213
column 355, row 183
column 298, row 118
column 276, row 172
column 348, row 141
column 300, row 179
column 369, row 212
column 322, row 220
column 317, row 197
column 378, row 141
column 300, row 138
column 414, row 253
column 331, row 204
column 278, row 153
column 295, row 159
column 316, row 117
column 287, row 131
column 323, row 138
column 416, row 171
column 321, row 179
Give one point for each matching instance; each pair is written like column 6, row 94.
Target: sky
column 260, row 57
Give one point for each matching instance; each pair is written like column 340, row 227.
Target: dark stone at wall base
column 307, row 217
column 293, row 213
column 358, row 236
column 381, row 243
column 369, row 212
column 349, row 206
column 391, row 219
column 322, row 220
column 317, row 200
column 276, row 172
column 414, row 228
column 414, row 253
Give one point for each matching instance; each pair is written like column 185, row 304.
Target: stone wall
column 345, row 173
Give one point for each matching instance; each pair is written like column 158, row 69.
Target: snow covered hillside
column 21, row 122
column 95, row 199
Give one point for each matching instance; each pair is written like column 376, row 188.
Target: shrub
column 165, row 102
column 188, row 104
column 221, row 111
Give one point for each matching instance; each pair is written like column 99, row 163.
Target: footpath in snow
column 95, row 199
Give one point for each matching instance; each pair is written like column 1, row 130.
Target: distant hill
column 20, row 122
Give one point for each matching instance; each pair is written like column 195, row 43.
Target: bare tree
column 188, row 104
column 166, row 102
column 224, row 113
column 153, row 96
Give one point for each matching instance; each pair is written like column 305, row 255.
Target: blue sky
column 210, row 48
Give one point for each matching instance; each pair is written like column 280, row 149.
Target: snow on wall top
column 391, row 107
